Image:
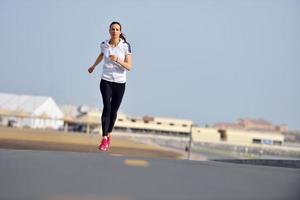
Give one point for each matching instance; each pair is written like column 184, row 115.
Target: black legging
column 112, row 94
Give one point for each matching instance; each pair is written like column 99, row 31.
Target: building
column 30, row 111
column 80, row 118
column 158, row 125
column 89, row 121
column 231, row 134
column 252, row 124
column 236, row 136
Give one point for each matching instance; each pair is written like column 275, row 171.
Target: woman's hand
column 91, row 69
column 126, row 63
column 98, row 60
column 113, row 58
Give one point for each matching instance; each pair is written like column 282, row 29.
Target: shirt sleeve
column 102, row 47
column 127, row 48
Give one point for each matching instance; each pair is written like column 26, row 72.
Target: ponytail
column 122, row 36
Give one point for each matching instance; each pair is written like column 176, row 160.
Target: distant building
column 90, row 121
column 80, row 118
column 224, row 125
column 158, row 125
column 69, row 110
column 237, row 136
column 252, row 124
column 253, row 132
column 244, row 132
column 30, row 111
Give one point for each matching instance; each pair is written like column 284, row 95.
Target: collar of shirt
column 119, row 44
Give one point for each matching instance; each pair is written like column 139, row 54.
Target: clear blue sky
column 208, row 61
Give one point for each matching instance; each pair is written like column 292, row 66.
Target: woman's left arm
column 127, row 63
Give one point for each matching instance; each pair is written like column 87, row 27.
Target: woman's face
column 115, row 31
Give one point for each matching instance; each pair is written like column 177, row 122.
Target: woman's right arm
column 98, row 60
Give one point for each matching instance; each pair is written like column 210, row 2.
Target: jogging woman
column 116, row 53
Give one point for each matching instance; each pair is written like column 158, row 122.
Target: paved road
column 56, row 175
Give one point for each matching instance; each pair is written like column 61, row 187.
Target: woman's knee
column 106, row 111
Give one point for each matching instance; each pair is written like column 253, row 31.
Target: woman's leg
column 117, row 96
column 106, row 91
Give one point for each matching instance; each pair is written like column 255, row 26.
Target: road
column 58, row 175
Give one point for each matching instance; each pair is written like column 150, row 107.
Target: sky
column 205, row 60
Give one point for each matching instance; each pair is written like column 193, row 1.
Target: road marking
column 116, row 155
column 136, row 163
column 87, row 197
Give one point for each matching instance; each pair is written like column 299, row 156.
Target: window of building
column 256, row 141
column 223, row 135
column 277, row 142
column 267, row 141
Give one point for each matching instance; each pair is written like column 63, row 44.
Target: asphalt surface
column 92, row 148
column 57, row 175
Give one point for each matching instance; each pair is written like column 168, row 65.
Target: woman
column 116, row 53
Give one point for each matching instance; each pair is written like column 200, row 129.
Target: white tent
column 32, row 111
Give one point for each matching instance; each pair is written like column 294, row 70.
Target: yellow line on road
column 116, row 155
column 136, row 163
column 87, row 197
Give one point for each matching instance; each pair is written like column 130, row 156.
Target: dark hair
column 122, row 36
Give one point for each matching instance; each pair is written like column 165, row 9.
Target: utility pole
column 190, row 142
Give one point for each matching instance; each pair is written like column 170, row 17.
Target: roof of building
column 29, row 106
column 256, row 121
column 22, row 103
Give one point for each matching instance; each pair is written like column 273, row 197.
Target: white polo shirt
column 113, row 71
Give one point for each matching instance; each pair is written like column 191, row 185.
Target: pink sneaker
column 104, row 144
